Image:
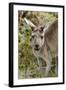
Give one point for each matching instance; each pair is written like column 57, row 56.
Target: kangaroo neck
column 42, row 49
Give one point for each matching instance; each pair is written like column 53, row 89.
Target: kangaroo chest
column 39, row 54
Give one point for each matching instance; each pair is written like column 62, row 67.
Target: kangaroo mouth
column 37, row 49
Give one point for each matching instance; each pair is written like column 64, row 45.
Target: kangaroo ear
column 42, row 28
column 29, row 23
column 46, row 29
column 32, row 28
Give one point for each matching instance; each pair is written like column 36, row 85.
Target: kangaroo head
column 37, row 38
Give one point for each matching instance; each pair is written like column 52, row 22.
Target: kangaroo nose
column 36, row 45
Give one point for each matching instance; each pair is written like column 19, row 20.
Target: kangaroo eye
column 33, row 36
column 41, row 37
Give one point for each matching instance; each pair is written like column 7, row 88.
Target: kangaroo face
column 37, row 38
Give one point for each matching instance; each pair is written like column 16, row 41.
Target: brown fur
column 47, row 40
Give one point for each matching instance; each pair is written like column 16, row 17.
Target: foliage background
column 27, row 63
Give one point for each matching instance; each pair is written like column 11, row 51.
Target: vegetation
column 27, row 63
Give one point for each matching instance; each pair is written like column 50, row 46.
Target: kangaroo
column 44, row 43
